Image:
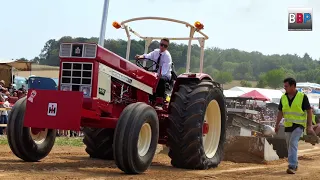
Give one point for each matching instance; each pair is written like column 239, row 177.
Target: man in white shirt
column 163, row 58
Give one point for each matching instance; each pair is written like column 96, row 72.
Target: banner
column 308, row 90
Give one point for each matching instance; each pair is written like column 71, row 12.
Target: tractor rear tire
column 20, row 138
column 194, row 103
column 99, row 142
column 136, row 138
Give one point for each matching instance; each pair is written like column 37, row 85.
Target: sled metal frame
column 148, row 40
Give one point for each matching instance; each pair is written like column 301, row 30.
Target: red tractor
column 109, row 97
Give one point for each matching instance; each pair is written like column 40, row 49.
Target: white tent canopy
column 230, row 93
column 272, row 94
column 313, row 98
column 7, row 67
column 19, row 65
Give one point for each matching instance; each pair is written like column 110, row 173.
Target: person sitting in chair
column 163, row 58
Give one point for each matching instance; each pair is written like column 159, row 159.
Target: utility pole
column 103, row 23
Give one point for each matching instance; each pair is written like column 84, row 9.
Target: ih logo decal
column 52, row 109
column 77, row 51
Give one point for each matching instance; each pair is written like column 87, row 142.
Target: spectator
column 3, row 114
column 2, row 84
column 23, row 88
column 11, row 89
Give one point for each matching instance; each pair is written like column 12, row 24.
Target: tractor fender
column 189, row 77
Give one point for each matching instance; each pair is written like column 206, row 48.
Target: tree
column 262, row 83
column 245, row 83
column 274, row 78
column 223, row 77
column 243, row 71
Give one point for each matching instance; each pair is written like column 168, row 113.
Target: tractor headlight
column 86, row 90
column 65, row 87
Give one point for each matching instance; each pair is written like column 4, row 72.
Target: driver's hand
column 137, row 57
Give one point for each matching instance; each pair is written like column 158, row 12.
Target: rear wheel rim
column 144, row 141
column 40, row 137
column 212, row 138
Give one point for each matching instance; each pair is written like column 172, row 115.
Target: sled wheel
column 136, row 138
column 99, row 142
column 29, row 144
column 196, row 133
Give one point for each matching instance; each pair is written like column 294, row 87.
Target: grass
column 69, row 141
column 60, row 141
column 3, row 140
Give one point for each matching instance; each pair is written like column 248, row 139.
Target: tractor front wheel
column 196, row 133
column 29, row 144
column 136, row 138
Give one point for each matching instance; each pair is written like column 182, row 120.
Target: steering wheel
column 148, row 68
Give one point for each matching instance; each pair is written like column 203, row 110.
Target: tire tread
column 98, row 142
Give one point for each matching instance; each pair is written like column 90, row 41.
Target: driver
column 163, row 58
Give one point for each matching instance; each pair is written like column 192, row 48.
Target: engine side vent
column 65, row 50
column 90, row 50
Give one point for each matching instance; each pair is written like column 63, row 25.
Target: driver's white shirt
column 165, row 61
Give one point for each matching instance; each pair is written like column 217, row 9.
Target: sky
column 249, row 25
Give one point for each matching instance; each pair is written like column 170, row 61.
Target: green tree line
column 224, row 65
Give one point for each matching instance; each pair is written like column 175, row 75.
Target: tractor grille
column 76, row 76
column 78, row 50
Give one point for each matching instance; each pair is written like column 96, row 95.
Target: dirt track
column 73, row 163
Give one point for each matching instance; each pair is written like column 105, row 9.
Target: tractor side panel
column 122, row 66
column 108, row 71
column 53, row 109
column 104, row 84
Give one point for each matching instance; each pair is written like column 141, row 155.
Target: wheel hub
column 36, row 130
column 38, row 135
column 205, row 128
column 144, row 141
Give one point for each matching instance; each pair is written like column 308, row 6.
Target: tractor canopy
column 197, row 27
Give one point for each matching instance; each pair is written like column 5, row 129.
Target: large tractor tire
column 196, row 107
column 28, row 144
column 99, row 142
column 136, row 138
